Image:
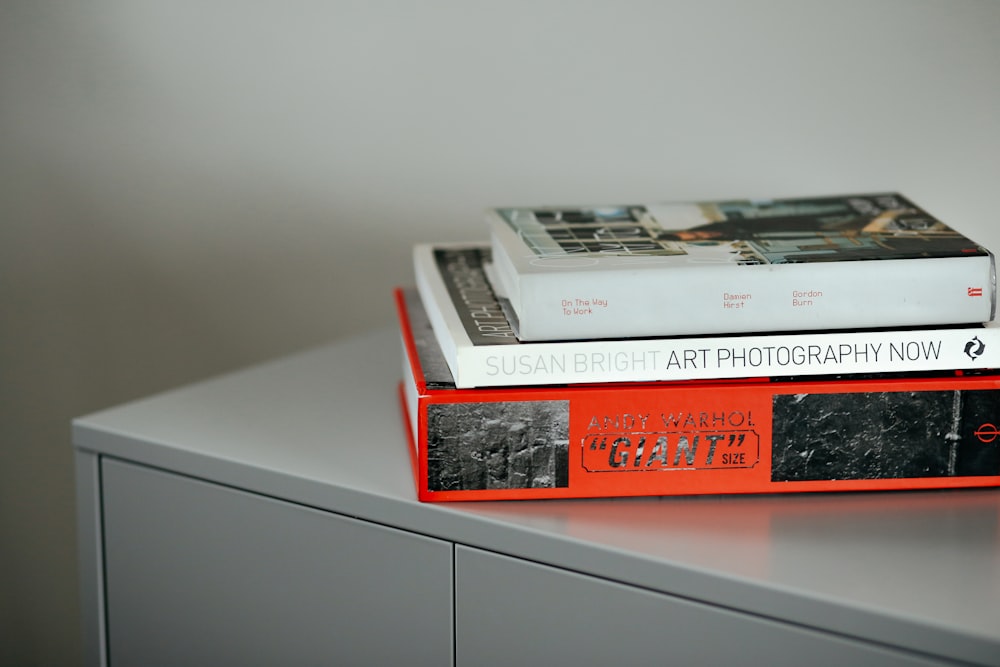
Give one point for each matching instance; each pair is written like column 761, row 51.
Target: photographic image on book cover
column 815, row 437
column 498, row 445
column 778, row 231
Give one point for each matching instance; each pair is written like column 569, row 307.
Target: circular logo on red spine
column 987, row 432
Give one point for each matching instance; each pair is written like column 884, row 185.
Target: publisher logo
column 975, row 291
column 987, row 433
column 975, row 348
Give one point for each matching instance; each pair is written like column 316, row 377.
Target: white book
column 481, row 350
column 739, row 266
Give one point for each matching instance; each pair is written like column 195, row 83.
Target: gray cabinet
column 201, row 574
column 269, row 517
column 555, row 614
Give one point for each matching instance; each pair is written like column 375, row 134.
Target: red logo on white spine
column 975, row 291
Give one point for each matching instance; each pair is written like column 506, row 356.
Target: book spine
column 445, row 322
column 690, row 440
column 495, row 358
column 576, row 297
column 730, row 357
column 734, row 299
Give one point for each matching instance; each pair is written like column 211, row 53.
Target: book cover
column 685, row 438
column 856, row 261
column 481, row 349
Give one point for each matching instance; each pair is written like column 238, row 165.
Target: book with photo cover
column 481, row 349
column 845, row 262
column 685, row 438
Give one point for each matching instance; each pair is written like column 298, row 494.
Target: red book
column 681, row 438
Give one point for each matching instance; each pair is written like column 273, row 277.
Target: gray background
column 189, row 187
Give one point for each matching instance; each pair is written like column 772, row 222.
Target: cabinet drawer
column 201, row 574
column 509, row 611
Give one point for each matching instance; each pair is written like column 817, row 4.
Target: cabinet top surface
column 324, row 428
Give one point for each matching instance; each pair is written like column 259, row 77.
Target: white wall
column 188, row 187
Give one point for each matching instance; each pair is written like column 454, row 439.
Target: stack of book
column 822, row 344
